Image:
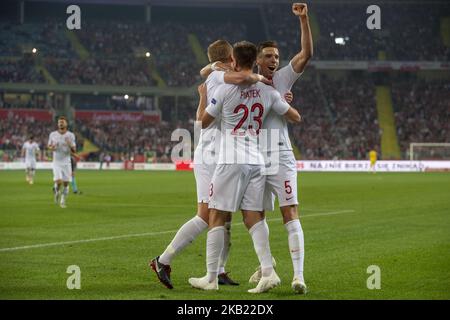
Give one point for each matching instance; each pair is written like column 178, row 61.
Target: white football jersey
column 283, row 80
column 30, row 151
column 208, row 145
column 243, row 109
column 63, row 142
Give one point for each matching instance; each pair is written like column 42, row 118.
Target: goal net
column 429, row 151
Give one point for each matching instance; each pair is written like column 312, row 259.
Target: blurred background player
column 373, row 160
column 73, row 162
column 107, row 159
column 62, row 143
column 30, row 150
column 104, row 157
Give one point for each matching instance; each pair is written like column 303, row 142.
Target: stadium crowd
column 119, row 40
column 340, row 124
column 123, row 138
column 343, row 125
column 117, row 49
column 120, row 72
column 48, row 38
column 20, row 70
column 422, row 111
column 409, row 32
column 340, row 119
column 14, row 131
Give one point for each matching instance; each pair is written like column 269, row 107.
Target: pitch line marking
column 175, row 206
column 135, row 235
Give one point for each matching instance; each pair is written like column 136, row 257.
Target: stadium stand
column 15, row 131
column 140, row 138
column 119, row 72
column 343, row 125
column 20, row 70
column 422, row 111
column 341, row 119
column 418, row 38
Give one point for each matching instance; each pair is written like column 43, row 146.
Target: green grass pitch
column 397, row 221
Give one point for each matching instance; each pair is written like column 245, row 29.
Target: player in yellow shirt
column 373, row 160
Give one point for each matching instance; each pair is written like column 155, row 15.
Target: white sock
column 64, row 194
column 226, row 248
column 296, row 246
column 185, row 235
column 214, row 247
column 260, row 237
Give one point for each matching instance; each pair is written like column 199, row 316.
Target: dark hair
column 244, row 53
column 31, row 137
column 267, row 44
column 219, row 50
column 62, row 118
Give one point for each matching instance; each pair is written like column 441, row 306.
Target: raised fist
column 300, row 9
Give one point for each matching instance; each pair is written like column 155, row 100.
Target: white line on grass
column 193, row 206
column 55, row 244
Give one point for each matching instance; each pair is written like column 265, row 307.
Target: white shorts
column 203, row 175
column 282, row 185
column 30, row 164
column 237, row 186
column 62, row 172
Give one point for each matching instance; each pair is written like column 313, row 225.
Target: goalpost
column 429, row 151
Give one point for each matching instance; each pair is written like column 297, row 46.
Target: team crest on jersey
column 213, row 101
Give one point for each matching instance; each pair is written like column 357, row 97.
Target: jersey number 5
column 287, row 187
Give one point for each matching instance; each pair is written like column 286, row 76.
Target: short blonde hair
column 220, row 50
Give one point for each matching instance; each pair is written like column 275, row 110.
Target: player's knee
column 203, row 212
column 289, row 213
column 216, row 218
column 251, row 218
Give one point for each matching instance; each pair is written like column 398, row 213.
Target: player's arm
column 300, row 60
column 215, row 66
column 71, row 143
column 283, row 108
column 23, row 151
column 51, row 144
column 207, row 119
column 202, row 101
column 213, row 110
column 289, row 97
column 243, row 78
column 75, row 155
column 292, row 115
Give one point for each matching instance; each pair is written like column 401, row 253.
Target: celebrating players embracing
column 204, row 164
column 284, row 184
column 238, row 182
